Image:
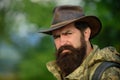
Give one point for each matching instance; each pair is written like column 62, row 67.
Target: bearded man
column 76, row 57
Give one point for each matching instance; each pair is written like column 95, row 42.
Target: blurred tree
column 38, row 12
column 108, row 12
column 2, row 23
column 19, row 21
column 33, row 66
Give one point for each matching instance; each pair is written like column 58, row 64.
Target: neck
column 89, row 48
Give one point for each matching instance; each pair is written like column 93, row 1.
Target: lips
column 66, row 51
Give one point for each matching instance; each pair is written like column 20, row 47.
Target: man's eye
column 56, row 36
column 68, row 33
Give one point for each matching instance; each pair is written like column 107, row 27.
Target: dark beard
column 69, row 61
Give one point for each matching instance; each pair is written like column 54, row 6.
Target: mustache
column 65, row 47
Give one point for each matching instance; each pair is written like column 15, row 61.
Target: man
column 76, row 57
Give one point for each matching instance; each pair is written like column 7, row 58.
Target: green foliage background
column 35, row 51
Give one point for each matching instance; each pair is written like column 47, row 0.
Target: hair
column 81, row 25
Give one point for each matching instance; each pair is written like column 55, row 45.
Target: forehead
column 69, row 27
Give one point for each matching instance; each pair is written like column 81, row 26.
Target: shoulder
column 110, row 54
column 106, row 54
column 110, row 49
column 112, row 73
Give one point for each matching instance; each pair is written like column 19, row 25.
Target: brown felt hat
column 67, row 14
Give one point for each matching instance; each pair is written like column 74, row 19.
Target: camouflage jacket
column 87, row 68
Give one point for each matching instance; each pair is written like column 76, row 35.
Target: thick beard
column 69, row 61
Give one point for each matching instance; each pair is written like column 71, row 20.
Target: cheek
column 75, row 41
column 57, row 44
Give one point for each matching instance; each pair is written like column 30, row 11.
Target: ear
column 87, row 33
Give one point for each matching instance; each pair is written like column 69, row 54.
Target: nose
column 63, row 41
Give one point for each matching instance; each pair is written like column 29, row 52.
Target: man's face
column 71, row 48
column 69, row 35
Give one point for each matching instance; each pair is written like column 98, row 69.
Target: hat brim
column 93, row 22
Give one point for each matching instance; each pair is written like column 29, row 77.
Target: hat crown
column 65, row 13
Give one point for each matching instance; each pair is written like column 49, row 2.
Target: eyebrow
column 67, row 31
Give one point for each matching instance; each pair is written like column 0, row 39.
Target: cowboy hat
column 67, row 14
